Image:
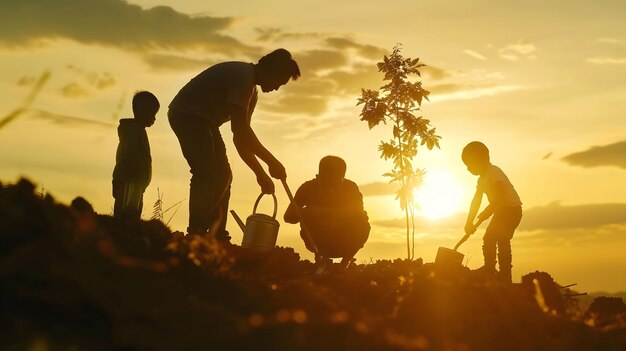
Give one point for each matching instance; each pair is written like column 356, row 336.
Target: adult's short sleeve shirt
column 212, row 92
column 487, row 184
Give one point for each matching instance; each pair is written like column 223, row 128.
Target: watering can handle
column 259, row 199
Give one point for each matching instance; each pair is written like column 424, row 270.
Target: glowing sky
column 541, row 83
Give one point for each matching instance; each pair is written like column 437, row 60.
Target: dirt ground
column 74, row 280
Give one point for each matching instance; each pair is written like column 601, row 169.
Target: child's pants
column 337, row 240
column 498, row 235
column 128, row 200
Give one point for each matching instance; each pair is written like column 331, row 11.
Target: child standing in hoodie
column 133, row 163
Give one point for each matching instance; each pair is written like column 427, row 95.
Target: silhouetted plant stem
column 395, row 102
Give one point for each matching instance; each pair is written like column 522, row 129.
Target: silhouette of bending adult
column 225, row 92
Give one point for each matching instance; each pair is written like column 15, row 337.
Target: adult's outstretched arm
column 246, row 141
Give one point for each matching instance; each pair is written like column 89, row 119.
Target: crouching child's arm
column 301, row 198
column 291, row 215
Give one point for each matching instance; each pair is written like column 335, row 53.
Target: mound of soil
column 73, row 279
column 607, row 312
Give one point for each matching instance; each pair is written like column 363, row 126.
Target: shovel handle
column 305, row 229
column 464, row 238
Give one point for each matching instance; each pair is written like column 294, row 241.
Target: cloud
column 551, row 217
column 310, row 95
column 311, row 61
column 378, row 189
column 556, row 216
column 611, row 41
column 467, row 92
column 523, row 49
column 474, row 54
column 448, row 88
column 367, row 51
column 453, row 222
column 68, row 120
column 294, row 103
column 310, row 131
column 317, row 86
column 114, row 23
column 327, row 74
column 166, row 62
column 277, row 34
column 435, row 73
column 86, row 82
column 445, row 84
column 611, row 235
column 451, row 91
column 350, row 82
column 73, row 90
column 334, row 74
column 596, row 156
column 607, row 60
column 338, row 72
column 104, row 81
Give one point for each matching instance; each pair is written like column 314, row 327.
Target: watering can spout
column 238, row 220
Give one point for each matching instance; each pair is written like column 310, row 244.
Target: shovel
column 466, row 236
column 305, row 229
column 447, row 257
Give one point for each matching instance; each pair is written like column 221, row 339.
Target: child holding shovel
column 504, row 205
column 332, row 207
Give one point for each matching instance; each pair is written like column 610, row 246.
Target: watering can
column 260, row 231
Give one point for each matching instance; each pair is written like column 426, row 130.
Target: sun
column 439, row 196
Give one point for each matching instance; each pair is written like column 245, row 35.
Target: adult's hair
column 475, row 151
column 333, row 166
column 145, row 101
column 281, row 62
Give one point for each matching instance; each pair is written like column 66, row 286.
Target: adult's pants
column 211, row 177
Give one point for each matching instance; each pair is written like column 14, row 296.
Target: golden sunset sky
column 541, row 83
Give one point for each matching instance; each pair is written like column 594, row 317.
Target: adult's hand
column 277, row 170
column 266, row 184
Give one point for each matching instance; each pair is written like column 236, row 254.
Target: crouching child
column 133, row 162
column 333, row 212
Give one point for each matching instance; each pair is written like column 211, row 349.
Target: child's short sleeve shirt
column 487, row 182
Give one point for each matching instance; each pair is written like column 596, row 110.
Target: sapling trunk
column 395, row 102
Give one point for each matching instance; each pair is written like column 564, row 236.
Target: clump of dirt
column 606, row 312
column 542, row 287
column 73, row 279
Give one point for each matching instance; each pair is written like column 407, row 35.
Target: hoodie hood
column 129, row 126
